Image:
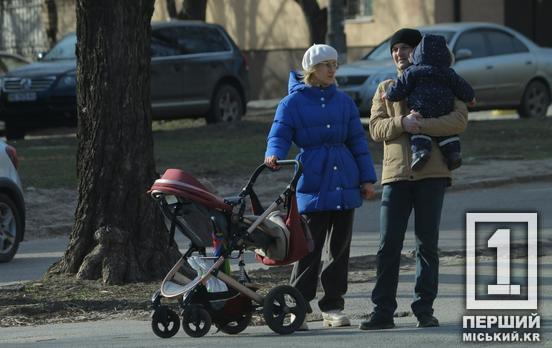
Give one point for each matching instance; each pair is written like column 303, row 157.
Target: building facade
column 273, row 34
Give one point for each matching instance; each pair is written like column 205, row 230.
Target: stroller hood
column 179, row 183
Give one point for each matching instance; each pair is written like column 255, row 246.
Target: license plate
column 22, row 97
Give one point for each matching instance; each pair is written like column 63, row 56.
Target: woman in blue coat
column 337, row 173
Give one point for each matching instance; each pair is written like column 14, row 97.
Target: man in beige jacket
column 404, row 190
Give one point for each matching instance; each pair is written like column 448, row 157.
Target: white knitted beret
column 318, row 53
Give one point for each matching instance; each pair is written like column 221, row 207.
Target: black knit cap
column 411, row 37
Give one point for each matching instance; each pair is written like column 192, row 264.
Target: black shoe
column 454, row 160
column 419, row 158
column 376, row 322
column 427, row 320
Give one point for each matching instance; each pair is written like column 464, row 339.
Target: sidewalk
column 449, row 308
column 268, row 107
column 496, row 172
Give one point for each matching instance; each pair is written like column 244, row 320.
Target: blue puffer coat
column 324, row 123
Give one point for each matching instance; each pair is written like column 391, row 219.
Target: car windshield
column 65, row 49
column 381, row 52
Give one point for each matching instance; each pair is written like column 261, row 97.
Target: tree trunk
column 193, row 9
column 52, row 29
column 118, row 233
column 336, row 31
column 317, row 20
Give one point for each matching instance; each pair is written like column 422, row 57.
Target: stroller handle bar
column 298, row 171
column 248, row 189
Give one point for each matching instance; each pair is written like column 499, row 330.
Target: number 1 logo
column 500, row 240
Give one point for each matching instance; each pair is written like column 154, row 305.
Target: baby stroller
column 202, row 285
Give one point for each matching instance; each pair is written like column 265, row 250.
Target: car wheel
column 14, row 131
column 226, row 106
column 535, row 100
column 10, row 228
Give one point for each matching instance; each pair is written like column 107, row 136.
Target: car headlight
column 69, row 80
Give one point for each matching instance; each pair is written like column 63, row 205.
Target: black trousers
column 397, row 201
column 333, row 229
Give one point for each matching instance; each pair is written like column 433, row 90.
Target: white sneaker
column 304, row 326
column 335, row 319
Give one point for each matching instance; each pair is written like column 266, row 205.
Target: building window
column 358, row 9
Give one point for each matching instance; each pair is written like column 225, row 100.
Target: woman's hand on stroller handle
column 272, row 162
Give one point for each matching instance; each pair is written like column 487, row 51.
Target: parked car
column 12, row 204
column 506, row 69
column 196, row 71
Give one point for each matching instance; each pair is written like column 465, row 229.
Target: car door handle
column 177, row 67
column 528, row 62
column 489, row 67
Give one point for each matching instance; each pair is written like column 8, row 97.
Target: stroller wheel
column 279, row 304
column 165, row 322
column 196, row 321
column 236, row 326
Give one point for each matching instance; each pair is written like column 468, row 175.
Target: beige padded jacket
column 386, row 126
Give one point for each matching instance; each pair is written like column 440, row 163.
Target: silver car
column 506, row 69
column 12, row 204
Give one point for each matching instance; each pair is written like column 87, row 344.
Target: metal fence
column 22, row 28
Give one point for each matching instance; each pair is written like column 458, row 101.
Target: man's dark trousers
column 398, row 199
column 333, row 228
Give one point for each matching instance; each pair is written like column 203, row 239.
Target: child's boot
column 419, row 159
column 454, row 160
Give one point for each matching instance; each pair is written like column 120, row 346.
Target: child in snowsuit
column 430, row 86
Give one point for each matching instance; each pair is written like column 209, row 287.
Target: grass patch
column 235, row 150
column 508, row 139
column 48, row 162
column 212, row 150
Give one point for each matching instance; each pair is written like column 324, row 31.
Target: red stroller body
column 205, row 291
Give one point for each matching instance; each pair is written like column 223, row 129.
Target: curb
column 489, row 183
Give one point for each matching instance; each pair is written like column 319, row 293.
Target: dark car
column 196, row 71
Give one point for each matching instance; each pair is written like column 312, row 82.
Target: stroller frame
column 199, row 308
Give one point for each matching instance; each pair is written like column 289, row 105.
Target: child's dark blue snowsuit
column 430, row 86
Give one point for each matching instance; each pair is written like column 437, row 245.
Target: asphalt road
column 35, row 256
column 529, row 197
